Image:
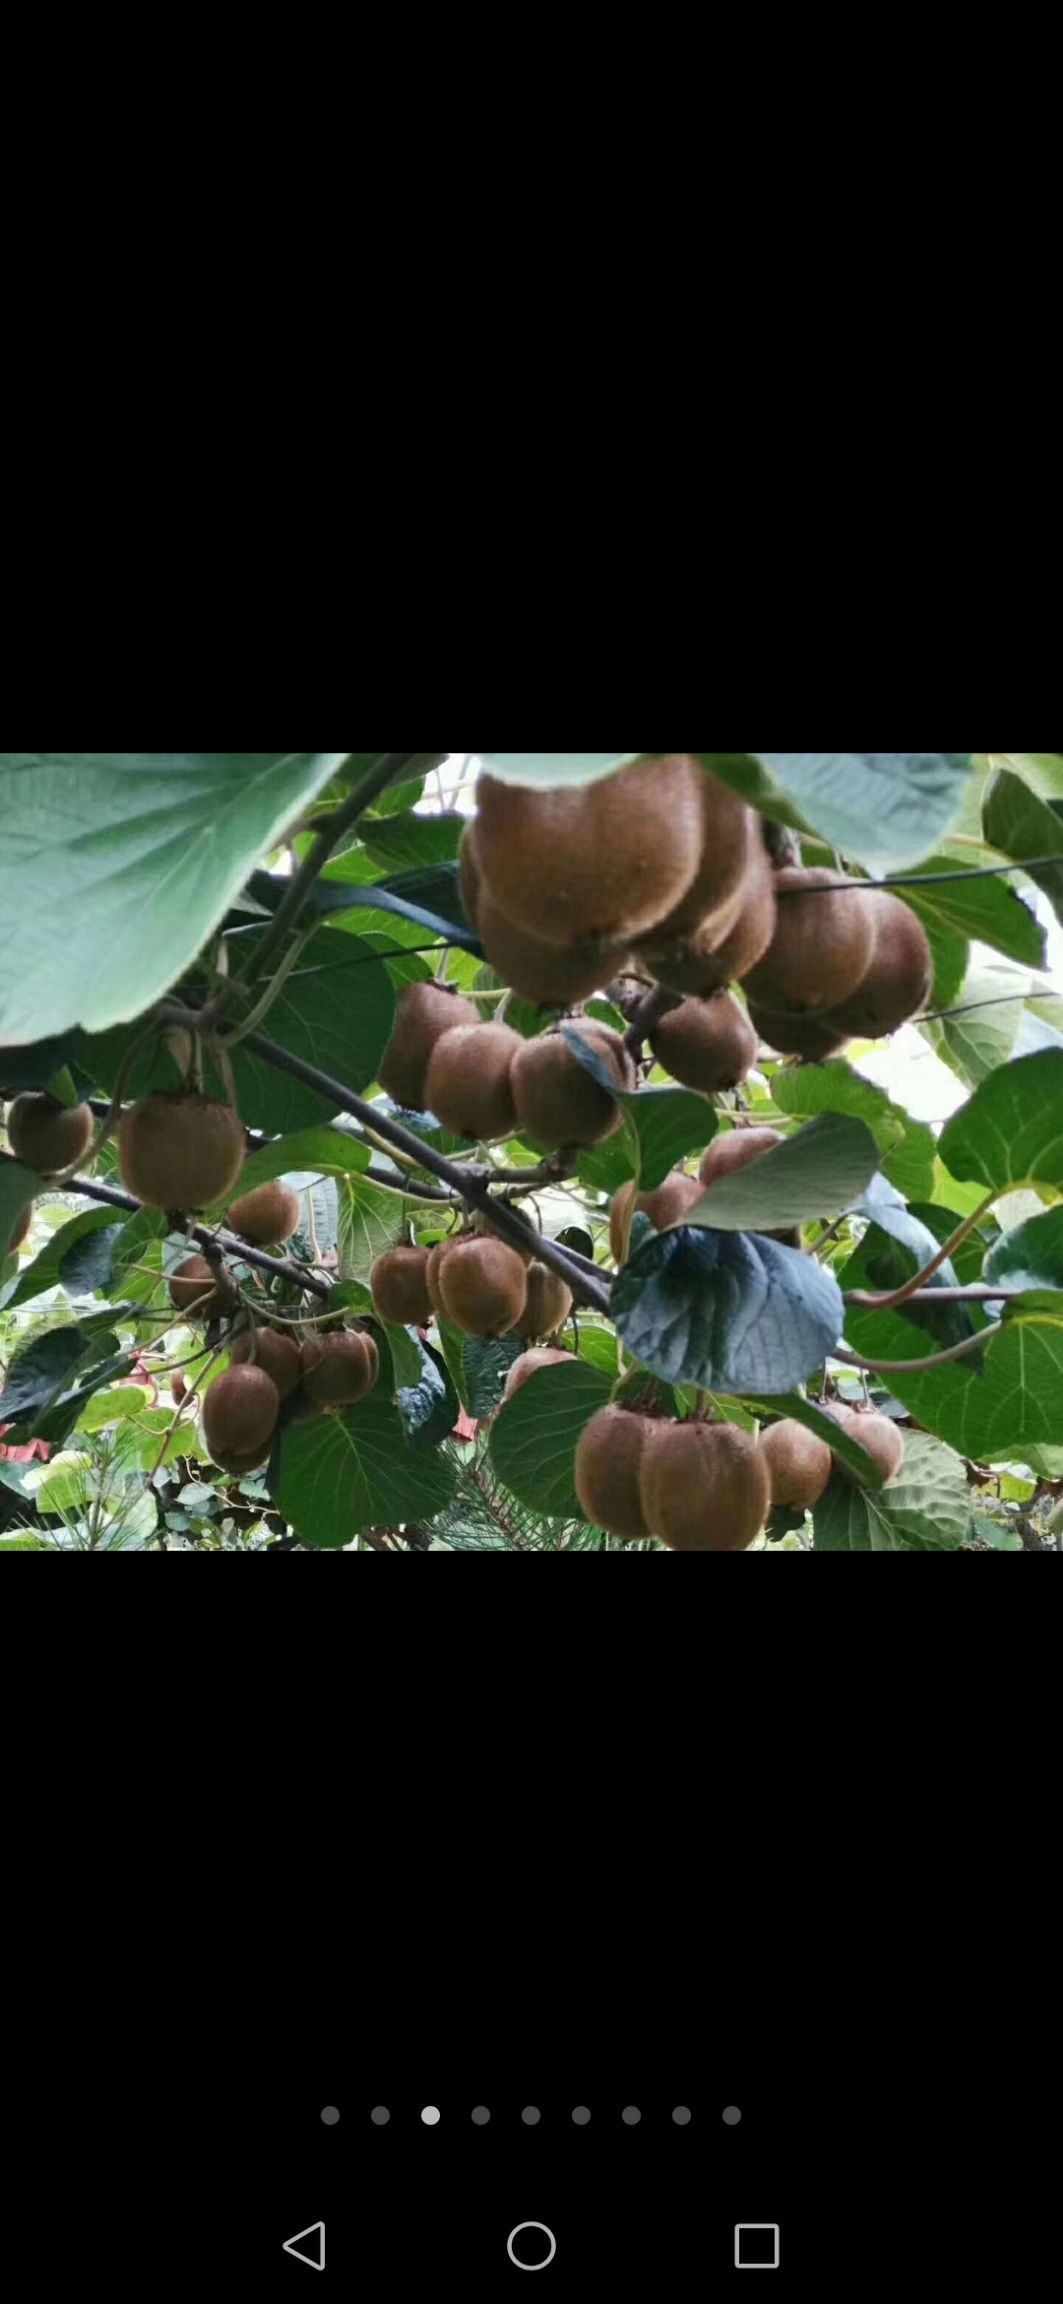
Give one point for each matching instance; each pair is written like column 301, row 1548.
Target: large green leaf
column 337, row 1011
column 979, row 1033
column 1030, row 1257
column 887, row 809
column 1020, row 824
column 820, row 1171
column 1011, row 1131
column 349, row 1473
column 37, row 1377
column 992, row 1411
column 18, row 1185
column 927, row 1508
column 732, row 1312
column 46, row 1269
column 317, row 1151
column 145, row 852
column 908, row 1147
column 534, row 1442
column 370, row 1223
column 984, row 909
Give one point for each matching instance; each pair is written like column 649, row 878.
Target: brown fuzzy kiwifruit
column 549, row 1302
column 722, row 949
column 47, row 1135
column 549, row 975
column 898, row 982
column 341, row 1370
column 20, row 1230
column 603, row 861
column 727, row 1154
column 705, row 1487
column 557, row 1100
column 816, row 1038
column 529, row 1365
column 423, row 1013
column 266, row 1217
column 177, row 1150
column 237, row 1466
column 799, row 1465
column 609, row 1461
column 399, row 1281
column 240, row 1413
column 195, row 1290
column 823, row 941
column 178, row 1389
column 669, row 1205
column 709, row 1045
column 479, row 1284
column 468, row 1083
column 883, row 1440
column 278, row 1354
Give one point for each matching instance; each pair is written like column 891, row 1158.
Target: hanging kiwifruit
column 548, row 1305
column 799, row 1465
column 340, row 1370
column 276, row 1353
column 816, row 1038
column 47, row 1135
column 239, row 1465
column 705, row 1487
column 423, row 1013
column 240, row 1413
column 602, row 861
column 20, row 1231
column 479, row 1284
column 882, row 1439
column 557, row 1100
column 197, row 1289
column 468, row 1084
column 529, row 1365
column 178, row 1389
column 609, row 1460
column 737, row 1149
column 669, row 1205
column 179, row 1150
column 709, row 1045
column 549, row 975
column 821, row 949
column 266, row 1217
column 399, row 1281
column 722, row 949
column 898, row 982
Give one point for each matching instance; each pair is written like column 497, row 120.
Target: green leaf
column 908, row 1147
column 820, row 1171
column 316, row 1151
column 533, row 1444
column 407, row 1355
column 413, row 843
column 1011, row 1131
column 487, row 1366
column 661, row 1126
column 980, row 1034
column 927, row 1508
column 337, row 1011
column 346, row 1474
column 18, row 1187
column 37, row 1377
column 986, row 910
column 369, row 1224
column 731, row 1312
column 1031, row 1257
column 429, row 1407
column 1019, row 824
column 1001, row 1409
column 886, row 809
column 150, row 849
column 140, row 1245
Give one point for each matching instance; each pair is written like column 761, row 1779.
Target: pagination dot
column 431, row 2115
column 531, row 2115
column 631, row 2116
column 380, row 2115
column 681, row 2115
column 581, row 2116
column 330, row 2115
column 481, row 2116
column 731, row 2116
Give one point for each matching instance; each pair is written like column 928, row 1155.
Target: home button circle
column 531, row 2247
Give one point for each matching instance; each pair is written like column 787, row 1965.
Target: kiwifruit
column 468, row 1085
column 609, row 1460
column 47, row 1135
column 549, row 1302
column 237, row 1465
column 799, row 1465
column 605, row 861
column 276, row 1353
column 822, row 946
column 816, row 1038
column 423, row 1013
column 340, row 1370
column 266, row 1217
column 194, row 1288
column 479, row 1284
column 557, row 1101
column 530, row 1364
column 723, row 948
column 709, row 1045
column 882, row 1439
column 399, row 1281
column 21, row 1230
column 727, row 1154
column 240, row 1413
column 669, row 1205
column 549, row 975
column 178, row 1390
column 897, row 984
column 705, row 1487
column 177, row 1150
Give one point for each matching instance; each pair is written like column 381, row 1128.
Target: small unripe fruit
column 603, row 861
column 266, row 1217
column 240, row 1413
column 738, row 1149
column 816, row 1038
column 799, row 1465
column 277, row 1354
column 669, row 1205
column 399, row 1281
column 424, row 1012
column 609, row 1462
column 822, row 946
column 480, row 1284
column 48, row 1136
column 705, row 1487
column 709, row 1045
column 530, row 1365
column 882, row 1439
column 548, row 1304
column 340, row 1371
column 176, row 1150
column 898, row 982
column 468, row 1083
column 194, row 1289
column 557, row 1100
column 21, row 1230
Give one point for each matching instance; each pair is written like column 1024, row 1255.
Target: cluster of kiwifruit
column 48, row 1136
column 846, row 962
column 484, row 1081
column 702, row 1487
column 242, row 1408
column 477, row 1282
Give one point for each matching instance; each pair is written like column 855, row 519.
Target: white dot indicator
column 431, row 2116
